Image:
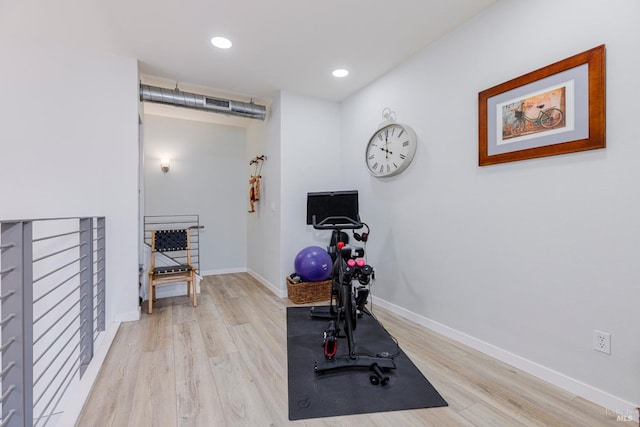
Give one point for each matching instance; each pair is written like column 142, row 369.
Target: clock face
column 390, row 150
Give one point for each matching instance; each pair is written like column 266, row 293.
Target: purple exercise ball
column 313, row 264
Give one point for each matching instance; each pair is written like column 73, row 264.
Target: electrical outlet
column 602, row 341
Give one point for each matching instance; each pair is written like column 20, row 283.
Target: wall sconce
column 164, row 165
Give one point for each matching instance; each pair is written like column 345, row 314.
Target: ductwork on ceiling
column 201, row 102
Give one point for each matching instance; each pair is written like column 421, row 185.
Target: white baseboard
column 597, row 396
column 76, row 401
column 281, row 293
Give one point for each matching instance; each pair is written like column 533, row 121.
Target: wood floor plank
column 215, row 286
column 241, row 401
column 204, row 298
column 158, row 331
column 481, row 413
column 214, row 331
column 184, row 311
column 198, row 403
column 154, row 397
column 521, row 395
column 232, row 311
column 267, row 368
column 224, row 363
column 109, row 403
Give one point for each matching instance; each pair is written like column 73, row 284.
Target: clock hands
column 386, row 145
column 388, row 153
column 386, row 150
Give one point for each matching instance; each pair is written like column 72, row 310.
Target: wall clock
column 391, row 148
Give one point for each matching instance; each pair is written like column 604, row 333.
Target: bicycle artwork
column 556, row 109
column 535, row 114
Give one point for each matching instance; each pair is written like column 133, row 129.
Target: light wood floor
column 224, row 363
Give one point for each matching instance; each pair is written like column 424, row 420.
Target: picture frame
column 557, row 109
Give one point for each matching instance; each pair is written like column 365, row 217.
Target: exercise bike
column 350, row 278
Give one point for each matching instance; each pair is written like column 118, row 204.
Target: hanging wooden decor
column 254, row 181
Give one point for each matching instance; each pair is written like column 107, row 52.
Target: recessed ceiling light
column 340, row 72
column 221, row 42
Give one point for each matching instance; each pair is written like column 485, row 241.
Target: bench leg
column 195, row 293
column 152, row 290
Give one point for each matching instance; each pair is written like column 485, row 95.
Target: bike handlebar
column 336, row 223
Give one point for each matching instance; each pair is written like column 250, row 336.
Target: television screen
column 332, row 203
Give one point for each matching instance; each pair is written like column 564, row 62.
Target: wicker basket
column 303, row 292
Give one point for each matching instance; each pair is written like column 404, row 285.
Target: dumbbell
column 378, row 377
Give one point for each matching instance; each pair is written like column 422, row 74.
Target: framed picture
column 557, row 109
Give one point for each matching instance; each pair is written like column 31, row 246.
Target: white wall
column 207, row 177
column 523, row 260
column 302, row 142
column 264, row 226
column 310, row 162
column 68, row 147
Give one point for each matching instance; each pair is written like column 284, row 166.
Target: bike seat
column 541, row 106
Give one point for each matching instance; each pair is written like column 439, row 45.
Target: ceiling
column 290, row 45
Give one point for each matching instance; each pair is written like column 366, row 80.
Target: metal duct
column 200, row 102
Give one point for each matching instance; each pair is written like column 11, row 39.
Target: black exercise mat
column 346, row 392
